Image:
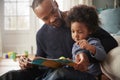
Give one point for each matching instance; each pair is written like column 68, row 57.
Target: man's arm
column 106, row 39
column 40, row 43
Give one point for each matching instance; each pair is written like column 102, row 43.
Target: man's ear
column 56, row 3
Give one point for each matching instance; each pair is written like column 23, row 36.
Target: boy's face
column 48, row 12
column 79, row 31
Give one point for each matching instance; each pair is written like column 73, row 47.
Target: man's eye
column 53, row 11
column 80, row 32
column 45, row 18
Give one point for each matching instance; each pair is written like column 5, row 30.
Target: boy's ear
column 56, row 3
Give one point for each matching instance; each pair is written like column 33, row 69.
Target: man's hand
column 82, row 62
column 24, row 62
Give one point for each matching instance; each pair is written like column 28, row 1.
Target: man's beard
column 57, row 23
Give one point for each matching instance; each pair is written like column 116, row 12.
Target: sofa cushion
column 110, row 19
column 117, row 38
column 111, row 66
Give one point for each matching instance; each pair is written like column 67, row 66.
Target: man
column 53, row 41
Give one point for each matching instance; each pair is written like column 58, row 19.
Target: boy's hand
column 83, row 43
column 82, row 62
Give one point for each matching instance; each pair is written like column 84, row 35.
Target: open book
column 53, row 63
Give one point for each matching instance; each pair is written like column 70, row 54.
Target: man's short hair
column 35, row 3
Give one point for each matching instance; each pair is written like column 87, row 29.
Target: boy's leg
column 68, row 74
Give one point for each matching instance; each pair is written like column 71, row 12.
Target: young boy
column 84, row 21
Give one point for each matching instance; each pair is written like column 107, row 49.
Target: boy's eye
column 72, row 31
column 80, row 32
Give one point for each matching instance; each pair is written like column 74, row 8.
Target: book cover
column 53, row 63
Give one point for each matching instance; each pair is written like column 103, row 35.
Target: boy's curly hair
column 85, row 14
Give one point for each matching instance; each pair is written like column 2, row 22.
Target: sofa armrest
column 111, row 65
column 117, row 37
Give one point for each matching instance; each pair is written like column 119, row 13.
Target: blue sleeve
column 100, row 54
column 77, row 50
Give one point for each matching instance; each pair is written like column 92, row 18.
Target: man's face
column 48, row 12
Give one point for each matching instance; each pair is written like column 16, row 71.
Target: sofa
column 110, row 20
column 111, row 65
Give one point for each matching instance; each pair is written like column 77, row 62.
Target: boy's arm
column 96, row 49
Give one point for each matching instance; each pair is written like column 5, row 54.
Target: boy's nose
column 76, row 35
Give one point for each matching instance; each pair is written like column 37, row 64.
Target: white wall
column 18, row 41
column 103, row 3
column 1, row 25
column 0, row 42
column 69, row 3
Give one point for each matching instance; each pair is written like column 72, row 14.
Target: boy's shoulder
column 93, row 39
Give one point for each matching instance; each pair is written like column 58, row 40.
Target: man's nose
column 52, row 19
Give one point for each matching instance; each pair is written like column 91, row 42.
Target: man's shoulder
column 42, row 30
column 44, row 27
column 101, row 33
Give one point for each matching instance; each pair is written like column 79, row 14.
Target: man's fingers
column 23, row 62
